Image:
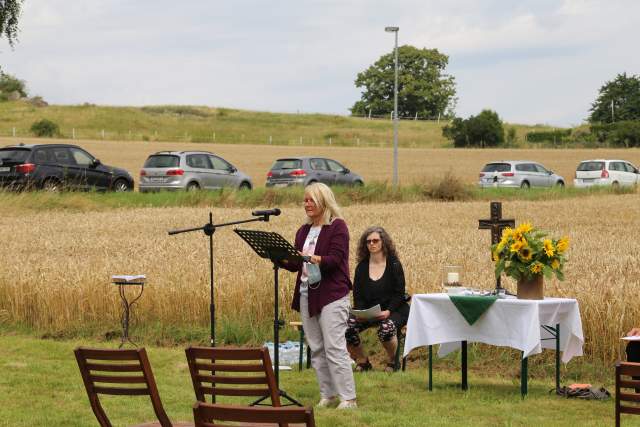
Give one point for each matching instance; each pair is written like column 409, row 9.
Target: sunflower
column 548, row 247
column 525, row 227
column 536, row 267
column 506, row 233
column 495, row 256
column 555, row 264
column 563, row 244
column 517, row 245
column 525, row 254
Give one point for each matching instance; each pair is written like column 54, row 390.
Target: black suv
column 56, row 166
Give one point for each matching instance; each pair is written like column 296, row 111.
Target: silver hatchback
column 190, row 170
column 307, row 170
column 518, row 174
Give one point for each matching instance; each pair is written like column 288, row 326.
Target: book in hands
column 368, row 314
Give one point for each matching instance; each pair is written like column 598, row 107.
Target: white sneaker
column 325, row 402
column 348, row 404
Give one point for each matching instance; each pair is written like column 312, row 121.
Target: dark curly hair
column 388, row 248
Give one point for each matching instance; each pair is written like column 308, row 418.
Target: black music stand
column 272, row 246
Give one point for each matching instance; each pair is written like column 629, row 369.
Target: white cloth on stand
column 516, row 323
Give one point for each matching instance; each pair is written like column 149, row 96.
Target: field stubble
column 56, row 269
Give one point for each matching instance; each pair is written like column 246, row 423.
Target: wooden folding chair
column 208, row 415
column 232, row 372
column 623, row 371
column 121, row 373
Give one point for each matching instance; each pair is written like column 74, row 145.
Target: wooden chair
column 122, row 373
column 208, row 415
column 232, row 372
column 623, row 371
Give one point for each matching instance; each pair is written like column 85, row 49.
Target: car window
column 630, row 167
column 81, row 157
column 526, row 167
column 62, row 155
column 287, row 164
column 590, row 166
column 540, row 168
column 14, row 155
column 318, row 164
column 200, row 161
column 334, row 166
column 162, row 161
column 40, row 156
column 220, row 164
column 496, row 167
column 617, row 166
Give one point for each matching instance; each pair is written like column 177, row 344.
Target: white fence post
column 73, row 133
column 102, row 133
column 329, row 140
column 14, row 132
column 416, row 118
column 369, row 113
column 270, row 139
column 300, row 140
column 391, row 116
column 214, row 136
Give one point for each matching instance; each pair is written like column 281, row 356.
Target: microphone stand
column 209, row 229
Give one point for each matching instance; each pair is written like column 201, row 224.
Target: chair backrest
column 232, row 372
column 624, row 370
column 208, row 415
column 118, row 372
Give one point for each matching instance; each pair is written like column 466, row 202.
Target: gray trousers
column 329, row 355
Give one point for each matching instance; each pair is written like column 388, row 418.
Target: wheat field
column 55, row 267
column 374, row 164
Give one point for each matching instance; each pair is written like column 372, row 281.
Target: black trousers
column 633, row 351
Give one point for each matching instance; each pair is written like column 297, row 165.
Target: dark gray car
column 307, row 170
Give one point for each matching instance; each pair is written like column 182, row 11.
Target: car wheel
column 121, row 185
column 560, row 184
column 193, row 186
column 358, row 183
column 244, row 186
column 52, row 185
column 615, row 185
column 525, row 185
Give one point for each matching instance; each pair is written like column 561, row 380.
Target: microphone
column 267, row 212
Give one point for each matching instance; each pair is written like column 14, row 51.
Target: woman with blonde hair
column 322, row 294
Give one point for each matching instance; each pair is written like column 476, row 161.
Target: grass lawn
column 40, row 385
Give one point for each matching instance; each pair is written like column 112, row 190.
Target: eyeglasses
column 372, row 241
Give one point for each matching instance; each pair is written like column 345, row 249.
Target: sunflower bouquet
column 525, row 252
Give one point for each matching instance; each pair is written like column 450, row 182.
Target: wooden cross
column 496, row 224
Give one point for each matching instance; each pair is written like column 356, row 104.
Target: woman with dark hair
column 379, row 279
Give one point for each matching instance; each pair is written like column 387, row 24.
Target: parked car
column 307, row 170
column 606, row 172
column 190, row 170
column 518, row 174
column 54, row 167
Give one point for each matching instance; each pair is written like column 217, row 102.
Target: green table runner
column 472, row 307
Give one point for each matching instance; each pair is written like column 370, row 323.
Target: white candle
column 453, row 277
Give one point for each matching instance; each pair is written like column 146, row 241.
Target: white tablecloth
column 433, row 319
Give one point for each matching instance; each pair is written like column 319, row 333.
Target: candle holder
column 452, row 279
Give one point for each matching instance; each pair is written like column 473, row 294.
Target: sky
column 532, row 61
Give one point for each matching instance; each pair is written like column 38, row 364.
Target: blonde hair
column 325, row 201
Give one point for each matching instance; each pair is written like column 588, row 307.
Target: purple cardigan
column 333, row 246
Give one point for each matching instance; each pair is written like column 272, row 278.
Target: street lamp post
column 395, row 109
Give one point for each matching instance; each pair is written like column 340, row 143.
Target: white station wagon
column 606, row 172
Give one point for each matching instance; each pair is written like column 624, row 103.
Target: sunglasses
column 372, row 241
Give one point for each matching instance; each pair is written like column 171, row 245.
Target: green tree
column 483, row 130
column 624, row 94
column 9, row 15
column 45, row 128
column 423, row 87
column 10, row 84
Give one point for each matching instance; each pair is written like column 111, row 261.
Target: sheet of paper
column 632, row 338
column 367, row 314
column 128, row 278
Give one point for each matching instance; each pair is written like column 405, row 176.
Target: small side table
column 123, row 282
column 298, row 326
